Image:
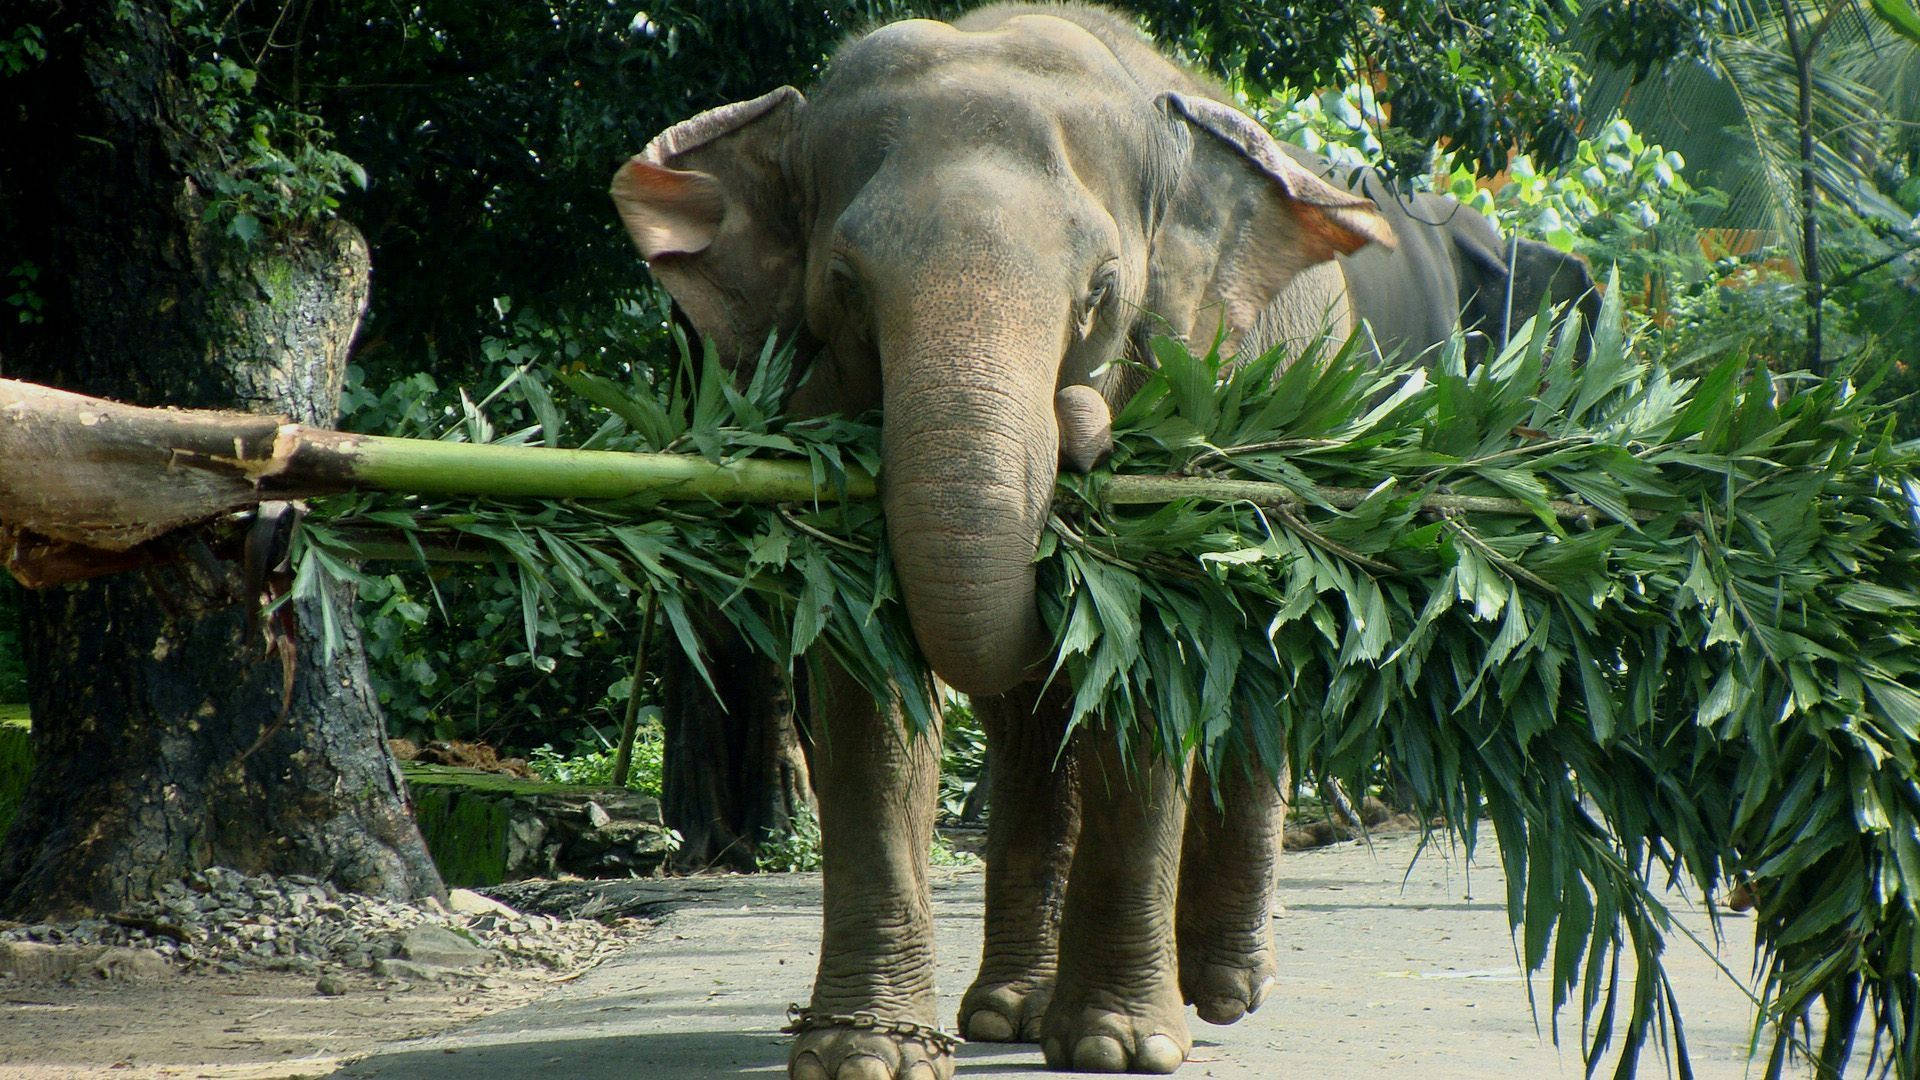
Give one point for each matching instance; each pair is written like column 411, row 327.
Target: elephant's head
column 1502, row 283
column 962, row 225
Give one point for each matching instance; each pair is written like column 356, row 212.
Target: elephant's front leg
column 877, row 788
column 1227, row 870
column 1033, row 820
column 1116, row 1002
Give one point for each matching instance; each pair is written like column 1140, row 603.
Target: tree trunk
column 735, row 767
column 166, row 737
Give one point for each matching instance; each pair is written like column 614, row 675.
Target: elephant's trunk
column 970, row 451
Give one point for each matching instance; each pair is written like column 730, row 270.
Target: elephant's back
column 1408, row 293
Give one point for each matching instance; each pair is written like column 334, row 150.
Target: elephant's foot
column 860, row 1053
column 1090, row 1031
column 1224, row 917
column 1004, row 1012
column 1226, row 974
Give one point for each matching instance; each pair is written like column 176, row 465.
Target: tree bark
column 166, row 734
column 735, row 766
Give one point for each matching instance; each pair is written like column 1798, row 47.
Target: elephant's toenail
column 1159, row 1054
column 989, row 1026
column 922, row 1070
column 1100, row 1053
column 1221, row 1010
column 1260, row 993
column 864, row 1067
column 807, row 1066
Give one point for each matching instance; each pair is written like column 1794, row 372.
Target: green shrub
column 795, row 850
column 963, row 755
column 592, row 763
column 450, row 651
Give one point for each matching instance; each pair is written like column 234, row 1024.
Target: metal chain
column 800, row 1020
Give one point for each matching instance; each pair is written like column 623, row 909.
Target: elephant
column 1451, row 266
column 1541, row 271
column 964, row 225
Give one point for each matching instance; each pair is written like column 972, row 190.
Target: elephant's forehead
column 1035, row 46
column 1030, row 90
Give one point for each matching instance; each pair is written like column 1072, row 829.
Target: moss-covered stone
column 484, row 828
column 465, row 830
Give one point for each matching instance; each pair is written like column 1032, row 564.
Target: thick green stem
column 422, row 467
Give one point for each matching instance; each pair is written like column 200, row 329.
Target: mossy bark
column 166, row 736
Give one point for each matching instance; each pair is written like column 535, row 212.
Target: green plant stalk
column 630, row 722
column 431, row 467
column 427, row 467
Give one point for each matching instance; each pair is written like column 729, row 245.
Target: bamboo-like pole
column 83, row 481
column 424, row 467
column 439, row 468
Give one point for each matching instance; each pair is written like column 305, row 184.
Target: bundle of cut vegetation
column 1652, row 621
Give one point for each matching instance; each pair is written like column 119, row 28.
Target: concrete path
column 1384, row 973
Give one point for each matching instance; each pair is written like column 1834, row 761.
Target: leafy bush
column 1619, row 201
column 796, row 850
column 591, row 763
column 799, row 849
column 963, row 754
column 943, row 853
column 451, row 652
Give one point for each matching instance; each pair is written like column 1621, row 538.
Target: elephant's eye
column 1097, row 292
column 842, row 281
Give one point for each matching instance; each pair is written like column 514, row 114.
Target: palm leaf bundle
column 1647, row 624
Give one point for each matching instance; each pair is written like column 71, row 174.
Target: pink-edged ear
column 1333, row 221
column 707, row 205
column 667, row 211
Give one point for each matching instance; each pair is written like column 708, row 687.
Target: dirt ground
column 249, row 1026
column 1385, row 973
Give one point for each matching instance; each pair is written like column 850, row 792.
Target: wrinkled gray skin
column 965, row 224
column 1450, row 264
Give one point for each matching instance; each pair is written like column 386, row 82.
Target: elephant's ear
column 1244, row 219
column 1565, row 277
column 1480, row 267
column 1474, row 237
column 708, row 205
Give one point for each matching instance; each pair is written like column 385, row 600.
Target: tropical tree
column 1795, row 104
column 180, row 249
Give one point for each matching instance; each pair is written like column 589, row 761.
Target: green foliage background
column 13, row 671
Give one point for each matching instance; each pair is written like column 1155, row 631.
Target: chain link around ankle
column 801, row 1020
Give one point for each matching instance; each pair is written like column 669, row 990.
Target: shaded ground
column 231, row 1027
column 1377, row 980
